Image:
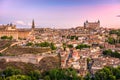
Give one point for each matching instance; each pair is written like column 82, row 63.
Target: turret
column 11, row 24
column 86, row 21
column 98, row 21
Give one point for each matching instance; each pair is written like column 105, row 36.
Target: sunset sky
column 60, row 13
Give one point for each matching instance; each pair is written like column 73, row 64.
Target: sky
column 60, row 13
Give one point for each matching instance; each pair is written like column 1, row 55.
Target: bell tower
column 33, row 24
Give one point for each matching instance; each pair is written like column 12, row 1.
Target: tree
column 52, row 46
column 64, row 46
column 100, row 76
column 81, row 46
column 116, row 72
column 111, row 77
column 107, row 52
column 72, row 37
column 44, row 44
column 76, row 38
column 47, row 77
column 9, row 71
column 18, row 77
column 70, row 46
column 10, row 38
column 111, row 53
column 35, row 75
column 115, row 32
column 107, row 73
column 4, row 37
column 1, row 54
column 87, row 77
column 111, row 40
column 29, row 44
column 63, row 74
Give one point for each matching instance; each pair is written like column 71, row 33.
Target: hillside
column 14, row 51
column 45, row 64
column 5, row 43
column 48, row 63
column 26, row 67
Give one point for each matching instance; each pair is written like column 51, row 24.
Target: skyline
column 60, row 13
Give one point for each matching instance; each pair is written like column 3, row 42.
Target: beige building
column 92, row 25
column 11, row 30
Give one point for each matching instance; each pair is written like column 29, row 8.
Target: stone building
column 11, row 30
column 92, row 25
column 24, row 33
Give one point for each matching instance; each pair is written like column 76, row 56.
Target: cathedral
column 11, row 30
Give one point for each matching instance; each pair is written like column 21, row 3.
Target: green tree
column 9, row 71
column 29, row 44
column 10, row 38
column 115, row 32
column 63, row 74
column 52, row 46
column 111, row 53
column 107, row 52
column 72, row 37
column 18, row 77
column 47, row 77
column 107, row 73
column 111, row 77
column 44, row 44
column 4, row 37
column 76, row 38
column 64, row 46
column 1, row 54
column 81, row 46
column 116, row 72
column 35, row 75
column 100, row 76
column 87, row 77
column 111, row 40
column 70, row 46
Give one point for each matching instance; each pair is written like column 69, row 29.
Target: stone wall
column 32, row 60
column 23, row 34
column 14, row 34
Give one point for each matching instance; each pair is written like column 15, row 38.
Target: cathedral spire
column 33, row 24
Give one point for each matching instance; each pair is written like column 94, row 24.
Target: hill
column 16, row 50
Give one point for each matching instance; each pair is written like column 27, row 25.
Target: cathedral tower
column 33, row 24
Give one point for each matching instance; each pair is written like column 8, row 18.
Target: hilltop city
column 87, row 48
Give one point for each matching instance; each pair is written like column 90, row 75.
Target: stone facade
column 24, row 33
column 14, row 34
column 92, row 25
column 11, row 30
